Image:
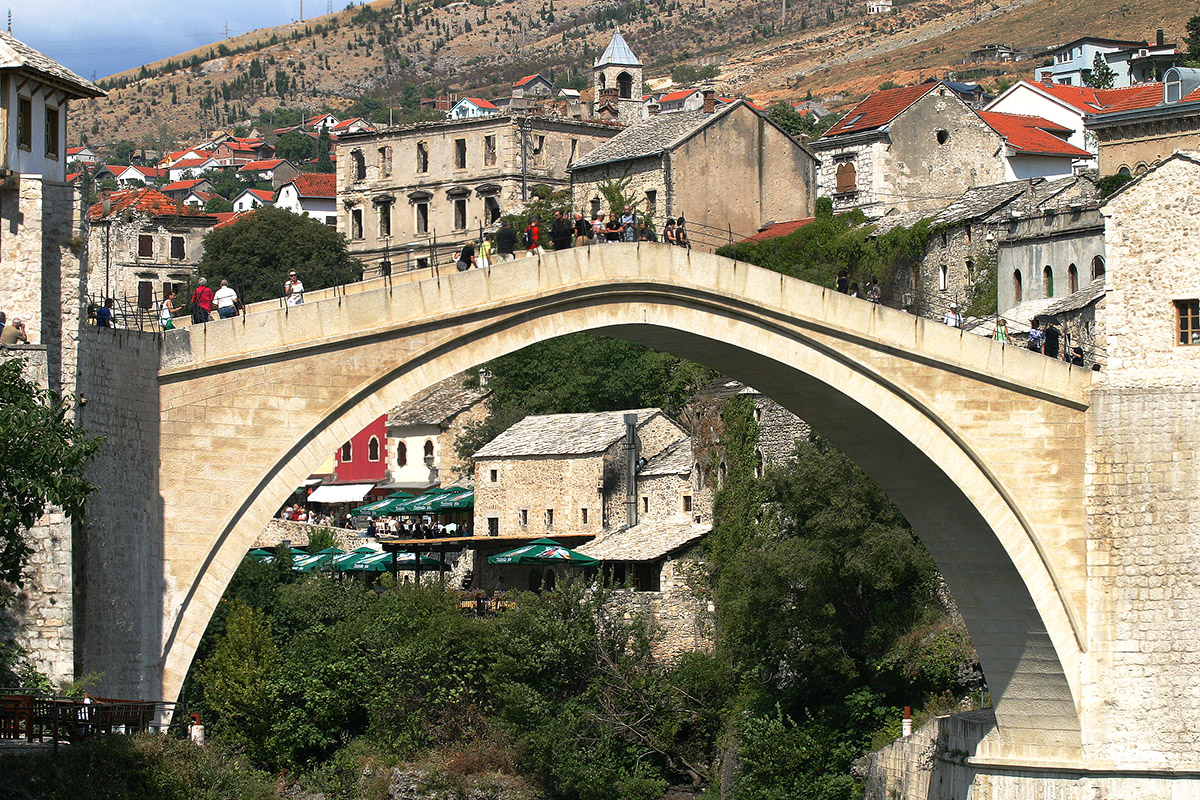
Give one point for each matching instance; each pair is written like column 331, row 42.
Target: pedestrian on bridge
column 202, row 302
column 227, row 301
column 560, row 230
column 629, row 222
column 506, row 242
column 293, row 290
column 583, row 231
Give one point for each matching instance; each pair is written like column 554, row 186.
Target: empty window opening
column 943, row 277
column 401, row 454
column 422, row 157
column 1097, row 267
column 422, row 217
column 491, row 208
column 1018, row 290
column 460, row 153
column 358, row 165
column 493, row 524
column 460, row 213
column 356, row 223
column 385, row 219
column 943, row 136
column 549, row 517
column 583, row 516
column 494, row 475
column 1047, row 281
column 177, row 249
column 489, row 151
column 523, row 517
column 347, row 453
column 429, row 452
column 625, row 85
column 385, row 162
column 687, row 502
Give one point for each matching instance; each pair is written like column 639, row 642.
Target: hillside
column 394, row 52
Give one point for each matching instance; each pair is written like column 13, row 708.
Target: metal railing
column 39, row 717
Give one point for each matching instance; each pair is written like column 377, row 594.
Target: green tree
column 1193, row 40
column 256, row 253
column 42, row 455
column 1101, row 75
column 123, row 151
column 218, row 205
column 296, row 147
column 788, row 118
column 237, row 678
column 324, row 146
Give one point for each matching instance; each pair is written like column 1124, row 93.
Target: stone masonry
column 41, row 618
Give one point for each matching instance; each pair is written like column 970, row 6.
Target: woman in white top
column 293, row 290
column 165, row 312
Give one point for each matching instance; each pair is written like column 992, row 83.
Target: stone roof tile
column 563, row 434
column 437, row 404
column 650, row 138
column 674, row 459
column 646, row 541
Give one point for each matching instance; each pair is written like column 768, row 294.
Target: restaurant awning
column 340, row 493
column 380, row 508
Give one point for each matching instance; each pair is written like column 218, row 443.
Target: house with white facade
column 84, row 155
column 133, row 175
column 191, row 168
column 253, row 198
column 472, row 107
column 681, row 100
column 1035, row 147
column 276, row 170
column 422, row 433
column 310, row 194
column 353, row 125
column 1132, row 61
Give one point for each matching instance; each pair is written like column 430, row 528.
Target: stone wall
column 644, row 174
column 277, row 530
column 778, row 430
column 116, row 266
column 683, row 618
column 119, row 547
column 1059, row 241
column 40, row 619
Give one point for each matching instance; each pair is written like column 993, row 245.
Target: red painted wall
column 359, row 468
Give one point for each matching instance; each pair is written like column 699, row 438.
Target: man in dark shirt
column 1050, row 347
column 560, row 231
column 583, row 231
column 506, row 242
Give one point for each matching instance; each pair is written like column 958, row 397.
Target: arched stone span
column 980, row 445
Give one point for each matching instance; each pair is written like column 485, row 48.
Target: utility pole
column 226, row 29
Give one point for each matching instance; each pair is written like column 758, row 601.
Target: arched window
column 401, row 454
column 625, row 85
column 603, row 81
column 429, row 452
column 1047, row 281
column 347, row 453
column 1072, row 279
column 1097, row 267
column 1018, row 290
column 373, row 449
column 846, row 177
column 1124, row 170
column 721, row 470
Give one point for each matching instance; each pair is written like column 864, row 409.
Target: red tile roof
column 880, row 108
column 188, row 163
column 74, row 176
column 1081, row 97
column 229, row 217
column 1032, row 135
column 147, row 200
column 317, row 118
column 316, row 184
column 1191, row 96
column 480, row 102
column 179, row 186
column 1131, row 98
column 346, row 123
column 73, row 150
column 205, row 196
column 776, row 229
column 149, row 172
column 677, row 95
column 526, row 80
column 255, row 166
column 266, row 195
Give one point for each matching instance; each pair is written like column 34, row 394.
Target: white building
column 472, row 107
column 1132, row 61
column 253, row 198
column 310, row 194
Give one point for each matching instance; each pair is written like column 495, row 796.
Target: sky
column 103, row 37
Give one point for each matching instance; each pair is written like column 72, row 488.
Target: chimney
column 654, row 109
column 710, row 101
column 631, row 457
column 1160, row 38
column 610, row 92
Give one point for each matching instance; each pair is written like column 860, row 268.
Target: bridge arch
column 978, row 444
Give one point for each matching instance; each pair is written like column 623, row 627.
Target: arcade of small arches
column 1048, row 284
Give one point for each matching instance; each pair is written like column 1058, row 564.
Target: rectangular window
column 523, row 517
column 145, row 295
column 539, row 149
column 422, row 157
column 645, row 577
column 356, row 223
column 460, row 213
column 385, row 219
column 687, row 502
column 385, row 162
column 494, row 475
column 549, row 517
column 491, row 208
column 460, row 153
column 24, row 123
column 645, row 505
column 51, row 132
column 651, row 201
column 489, row 151
column 1188, row 314
column 422, row 211
column 145, row 246
column 177, row 251
column 493, row 526
column 583, row 516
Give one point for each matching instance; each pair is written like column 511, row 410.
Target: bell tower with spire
column 617, row 82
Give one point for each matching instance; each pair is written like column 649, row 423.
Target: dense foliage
column 833, row 242
column 257, row 251
column 42, row 454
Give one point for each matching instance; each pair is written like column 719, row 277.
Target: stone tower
column 618, row 69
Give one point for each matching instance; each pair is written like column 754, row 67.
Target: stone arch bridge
column 982, row 446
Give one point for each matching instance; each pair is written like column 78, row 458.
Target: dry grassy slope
column 853, row 56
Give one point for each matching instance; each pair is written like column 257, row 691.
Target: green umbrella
column 400, row 495
column 380, row 508
column 382, row 562
column 458, row 501
column 544, row 552
column 261, row 554
column 310, row 563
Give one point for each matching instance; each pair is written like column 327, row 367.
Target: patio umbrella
column 387, row 507
column 544, row 552
column 382, row 562
column 310, row 563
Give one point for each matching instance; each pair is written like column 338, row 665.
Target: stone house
column 1051, row 253
column 276, row 170
column 41, row 283
column 422, row 434
column 1158, row 120
column 142, row 244
column 968, row 233
column 727, row 170
column 778, row 428
column 405, row 186
column 905, row 149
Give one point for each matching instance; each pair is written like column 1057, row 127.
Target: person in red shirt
column 533, row 236
column 202, row 303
